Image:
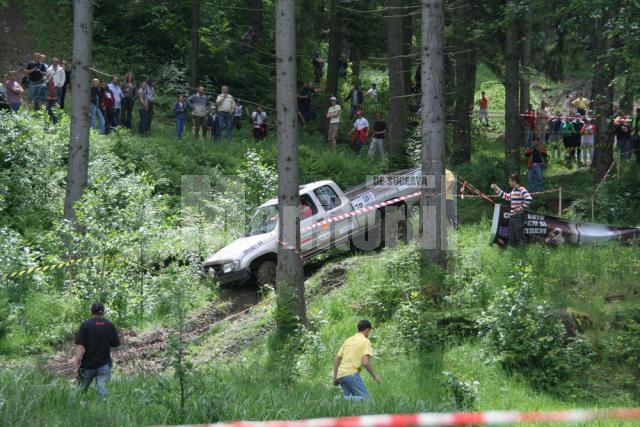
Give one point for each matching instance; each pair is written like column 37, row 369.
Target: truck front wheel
column 266, row 274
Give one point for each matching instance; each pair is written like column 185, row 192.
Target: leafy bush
column 624, row 340
column 524, row 337
column 463, row 394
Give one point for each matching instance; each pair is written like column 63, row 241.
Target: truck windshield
column 264, row 220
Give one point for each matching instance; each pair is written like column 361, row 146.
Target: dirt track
column 143, row 352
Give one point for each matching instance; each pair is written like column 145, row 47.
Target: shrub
column 463, row 394
column 524, row 337
column 624, row 339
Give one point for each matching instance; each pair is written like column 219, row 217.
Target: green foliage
column 524, row 337
column 624, row 338
column 463, row 394
column 260, row 181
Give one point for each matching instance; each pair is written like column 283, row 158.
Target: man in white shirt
column 359, row 131
column 115, row 88
column 373, row 93
column 334, row 121
column 226, row 107
column 58, row 75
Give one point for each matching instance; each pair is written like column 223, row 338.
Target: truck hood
column 239, row 248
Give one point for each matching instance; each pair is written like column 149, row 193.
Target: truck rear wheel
column 266, row 274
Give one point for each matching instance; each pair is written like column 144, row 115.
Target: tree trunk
column 602, row 94
column 289, row 275
column 525, row 59
column 512, row 138
column 335, row 45
column 465, row 84
column 195, row 44
column 433, row 225
column 407, row 47
column 397, row 103
column 78, row 170
column 256, row 18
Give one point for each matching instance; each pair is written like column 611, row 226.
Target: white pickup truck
column 365, row 217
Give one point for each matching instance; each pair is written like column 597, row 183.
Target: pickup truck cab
column 329, row 218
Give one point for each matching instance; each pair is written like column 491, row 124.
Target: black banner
column 556, row 231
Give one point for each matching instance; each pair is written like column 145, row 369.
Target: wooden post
column 559, row 202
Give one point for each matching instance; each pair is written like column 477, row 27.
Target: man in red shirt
column 484, row 109
column 529, row 123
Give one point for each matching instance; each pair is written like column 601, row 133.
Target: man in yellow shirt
column 355, row 353
column 450, row 184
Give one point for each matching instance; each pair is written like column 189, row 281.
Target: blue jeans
column 353, row 387
column 625, row 148
column 95, row 112
column 536, row 181
column 528, row 137
column 102, row 376
column 14, row 107
column 226, row 119
column 180, row 127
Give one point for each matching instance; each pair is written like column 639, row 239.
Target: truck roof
column 304, row 189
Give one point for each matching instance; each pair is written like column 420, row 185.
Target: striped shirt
column 519, row 197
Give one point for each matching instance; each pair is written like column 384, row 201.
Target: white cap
column 333, row 98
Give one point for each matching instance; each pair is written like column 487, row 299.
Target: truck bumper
column 239, row 276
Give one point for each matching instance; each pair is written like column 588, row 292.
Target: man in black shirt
column 36, row 71
column 379, row 133
column 92, row 360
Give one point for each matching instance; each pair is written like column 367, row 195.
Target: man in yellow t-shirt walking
column 355, row 353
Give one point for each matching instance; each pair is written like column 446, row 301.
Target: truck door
column 334, row 206
column 311, row 241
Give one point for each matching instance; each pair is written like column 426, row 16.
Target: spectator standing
column 357, row 99
column 622, row 130
column 333, row 114
column 151, row 101
column 576, row 140
column 226, row 106
column 144, row 111
column 587, row 133
column 107, row 104
column 372, row 93
column 355, row 353
column 129, row 95
column 635, row 132
column 450, row 185
column 304, row 103
column 116, row 90
column 567, row 131
column 343, row 66
column 542, row 121
column 360, row 130
column 484, row 109
column 67, row 82
column 237, row 115
column 59, row 78
column 259, row 118
column 520, row 201
column 379, row 134
column 529, row 124
column 199, row 103
column 95, row 112
column 555, row 133
column 48, row 96
column 581, row 104
column 14, row 92
column 536, row 161
column 181, row 111
column 92, row 358
column 318, row 67
column 248, row 39
column 36, row 72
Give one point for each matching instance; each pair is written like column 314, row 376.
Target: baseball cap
column 97, row 308
column 333, row 98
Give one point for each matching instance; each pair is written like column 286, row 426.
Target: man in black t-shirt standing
column 379, row 133
column 92, row 360
column 35, row 71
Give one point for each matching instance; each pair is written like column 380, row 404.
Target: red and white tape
column 361, row 211
column 449, row 419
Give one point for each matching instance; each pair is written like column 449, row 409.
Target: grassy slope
column 255, row 385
